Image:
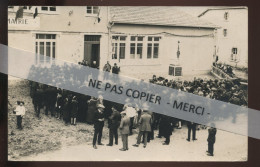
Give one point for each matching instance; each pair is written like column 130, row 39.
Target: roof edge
column 225, row 8
column 208, row 27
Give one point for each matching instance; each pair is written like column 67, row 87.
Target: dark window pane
column 132, row 50
column 122, row 51
column 53, row 49
column 115, row 37
column 92, row 37
column 52, row 8
column 89, row 9
column 150, row 38
column 45, row 8
column 41, row 36
column 139, row 50
column 48, row 51
column 48, row 36
column 114, row 56
column 133, row 38
column 149, row 51
column 122, row 38
column 42, row 51
column 95, row 9
column 155, row 50
column 156, row 38
column 36, row 47
column 140, row 38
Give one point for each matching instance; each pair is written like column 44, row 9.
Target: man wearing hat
column 124, row 127
column 145, row 127
column 98, row 125
column 113, row 124
column 211, row 139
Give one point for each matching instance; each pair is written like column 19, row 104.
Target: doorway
column 92, row 50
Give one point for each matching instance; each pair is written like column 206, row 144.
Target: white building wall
column 69, row 29
column 196, row 52
column 237, row 34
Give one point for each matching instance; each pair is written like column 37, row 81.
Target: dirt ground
column 48, row 139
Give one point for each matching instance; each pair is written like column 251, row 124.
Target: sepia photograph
column 197, row 50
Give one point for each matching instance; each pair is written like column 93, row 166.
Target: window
column 136, row 47
column 234, row 54
column 92, row 10
column 226, row 14
column 234, row 51
column 45, row 44
column 225, row 32
column 153, row 47
column 175, row 70
column 27, row 7
column 118, row 47
column 48, row 9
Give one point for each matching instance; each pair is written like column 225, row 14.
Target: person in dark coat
column 66, row 111
column 83, row 107
column 98, row 125
column 145, row 123
column 124, row 128
column 211, row 139
column 151, row 133
column 115, row 69
column 37, row 101
column 167, row 127
column 59, row 105
column 113, row 124
column 51, row 95
column 191, row 127
column 74, row 110
column 92, row 107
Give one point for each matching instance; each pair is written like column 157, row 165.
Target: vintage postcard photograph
column 197, row 50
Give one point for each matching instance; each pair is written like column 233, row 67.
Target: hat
column 100, row 106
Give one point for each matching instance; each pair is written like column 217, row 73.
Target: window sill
column 49, row 13
column 91, row 15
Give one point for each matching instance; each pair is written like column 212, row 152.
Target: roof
column 221, row 8
column 151, row 15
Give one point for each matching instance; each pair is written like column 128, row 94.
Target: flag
column 35, row 13
column 98, row 18
column 19, row 13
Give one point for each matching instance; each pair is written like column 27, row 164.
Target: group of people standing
column 73, row 107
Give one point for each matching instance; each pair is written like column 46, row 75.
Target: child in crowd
column 20, row 112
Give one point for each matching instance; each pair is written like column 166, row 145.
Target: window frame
column 48, row 11
column 234, row 55
column 52, row 47
column 118, row 40
column 135, row 42
column 92, row 11
column 153, row 42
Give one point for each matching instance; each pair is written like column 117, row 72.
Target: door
column 92, row 50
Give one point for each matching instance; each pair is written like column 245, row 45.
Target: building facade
column 232, row 37
column 142, row 40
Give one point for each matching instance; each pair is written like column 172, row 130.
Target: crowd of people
column 230, row 91
column 72, row 107
column 227, row 69
column 107, row 67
